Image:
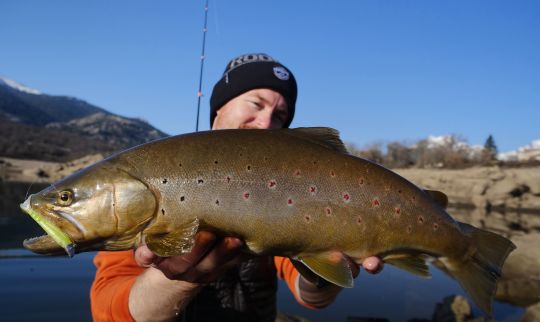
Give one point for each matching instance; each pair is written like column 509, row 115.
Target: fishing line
column 199, row 93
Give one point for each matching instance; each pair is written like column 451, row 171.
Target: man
column 215, row 281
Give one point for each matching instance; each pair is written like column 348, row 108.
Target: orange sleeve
column 115, row 274
column 287, row 272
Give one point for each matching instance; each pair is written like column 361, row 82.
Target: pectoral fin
column 166, row 240
column 333, row 267
column 412, row 263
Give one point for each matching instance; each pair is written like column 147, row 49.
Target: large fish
column 289, row 192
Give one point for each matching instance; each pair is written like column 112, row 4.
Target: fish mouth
column 56, row 239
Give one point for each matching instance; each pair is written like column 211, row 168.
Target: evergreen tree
column 490, row 148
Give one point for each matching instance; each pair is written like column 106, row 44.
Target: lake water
column 34, row 287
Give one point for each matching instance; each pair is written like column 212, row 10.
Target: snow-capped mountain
column 528, row 152
column 19, row 87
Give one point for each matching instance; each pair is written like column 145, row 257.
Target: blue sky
column 377, row 71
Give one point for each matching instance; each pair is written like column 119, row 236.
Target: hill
column 38, row 126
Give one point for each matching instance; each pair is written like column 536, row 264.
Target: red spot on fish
column 290, row 202
column 375, row 202
column 246, row 195
column 312, row 190
column 420, row 219
column 359, row 220
column 332, row 173
column 435, row 226
column 397, row 210
column 272, row 184
column 346, row 196
column 297, row 173
column 328, row 211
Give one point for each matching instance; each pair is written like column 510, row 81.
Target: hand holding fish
column 207, row 260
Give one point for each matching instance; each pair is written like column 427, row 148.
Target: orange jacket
column 116, row 272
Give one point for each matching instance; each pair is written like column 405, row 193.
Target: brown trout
column 287, row 192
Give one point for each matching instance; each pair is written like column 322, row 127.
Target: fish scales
column 293, row 193
column 318, row 166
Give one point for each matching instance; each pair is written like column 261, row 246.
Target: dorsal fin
column 439, row 197
column 323, row 136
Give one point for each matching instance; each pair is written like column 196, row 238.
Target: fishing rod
column 199, row 93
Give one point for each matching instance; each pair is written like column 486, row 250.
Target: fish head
column 98, row 208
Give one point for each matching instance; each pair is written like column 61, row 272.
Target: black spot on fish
column 216, row 162
column 409, row 229
column 182, row 198
column 420, row 220
column 435, row 226
column 200, row 181
column 248, row 168
column 162, row 211
column 307, row 218
column 164, row 181
column 217, row 202
column 328, row 211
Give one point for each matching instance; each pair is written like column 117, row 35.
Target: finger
column 177, row 266
column 215, row 261
column 372, row 265
column 144, row 256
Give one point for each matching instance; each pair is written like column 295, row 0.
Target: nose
column 264, row 118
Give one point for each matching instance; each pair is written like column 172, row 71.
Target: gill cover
column 134, row 205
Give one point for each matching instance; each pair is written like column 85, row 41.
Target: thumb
column 144, row 257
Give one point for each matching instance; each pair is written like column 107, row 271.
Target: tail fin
column 478, row 274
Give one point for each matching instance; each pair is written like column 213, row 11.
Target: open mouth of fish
column 55, row 236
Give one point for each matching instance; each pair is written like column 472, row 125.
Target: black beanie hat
column 251, row 71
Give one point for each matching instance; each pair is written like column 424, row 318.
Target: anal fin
column 412, row 263
column 165, row 240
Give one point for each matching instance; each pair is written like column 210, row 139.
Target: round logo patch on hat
column 281, row 73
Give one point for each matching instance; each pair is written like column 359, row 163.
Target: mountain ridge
column 60, row 128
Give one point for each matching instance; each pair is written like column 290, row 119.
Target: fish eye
column 65, row 198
